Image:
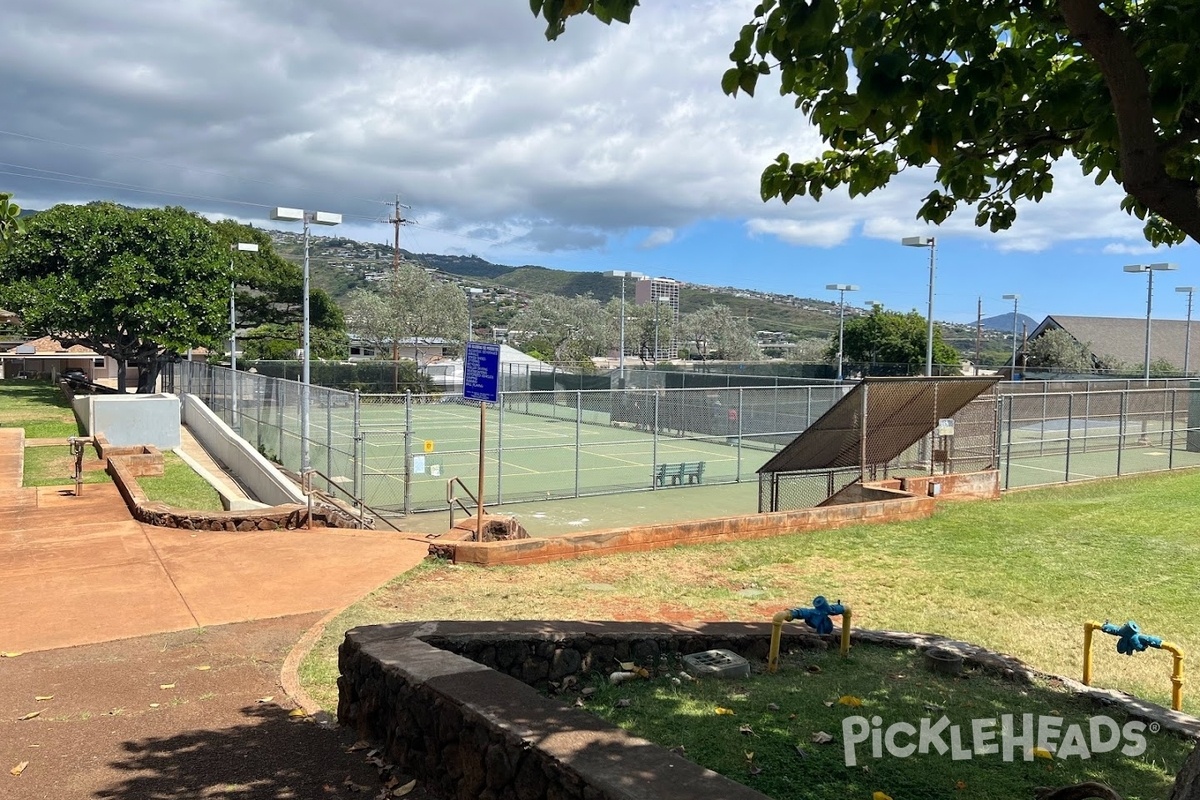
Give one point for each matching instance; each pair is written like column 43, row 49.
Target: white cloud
column 657, row 238
column 814, row 234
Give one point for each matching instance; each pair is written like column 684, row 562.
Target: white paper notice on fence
column 419, row 465
column 435, row 470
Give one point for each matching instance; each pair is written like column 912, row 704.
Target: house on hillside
column 1121, row 341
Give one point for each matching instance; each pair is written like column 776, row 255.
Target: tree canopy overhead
column 989, row 93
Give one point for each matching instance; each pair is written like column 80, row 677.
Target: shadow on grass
column 765, row 718
column 271, row 756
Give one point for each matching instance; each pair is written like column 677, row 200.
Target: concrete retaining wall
column 254, row 472
column 669, row 534
column 134, row 419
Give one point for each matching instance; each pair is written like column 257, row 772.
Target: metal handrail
column 452, row 500
column 306, row 485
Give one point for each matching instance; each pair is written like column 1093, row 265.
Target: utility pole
column 979, row 333
column 396, row 221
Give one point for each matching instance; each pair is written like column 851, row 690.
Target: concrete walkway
column 80, row 570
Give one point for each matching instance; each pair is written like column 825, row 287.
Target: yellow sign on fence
column 429, row 445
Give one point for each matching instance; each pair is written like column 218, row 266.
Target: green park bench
column 678, row 474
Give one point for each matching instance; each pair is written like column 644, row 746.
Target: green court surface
column 1034, row 470
column 575, row 515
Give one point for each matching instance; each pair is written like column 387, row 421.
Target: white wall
column 131, row 419
column 259, row 477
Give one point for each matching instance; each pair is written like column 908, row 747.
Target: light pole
column 472, row 292
column 841, row 289
column 1149, row 269
column 315, row 218
column 623, row 274
column 931, row 243
column 242, row 247
column 1187, row 336
column 1016, row 298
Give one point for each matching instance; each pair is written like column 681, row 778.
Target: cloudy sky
column 612, row 148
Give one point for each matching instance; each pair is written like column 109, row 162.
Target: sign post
column 481, row 382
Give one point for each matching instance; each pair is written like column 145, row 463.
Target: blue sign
column 481, row 372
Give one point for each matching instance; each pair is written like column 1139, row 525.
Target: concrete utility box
column 716, row 664
column 131, row 419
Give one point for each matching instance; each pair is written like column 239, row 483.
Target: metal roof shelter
column 874, row 424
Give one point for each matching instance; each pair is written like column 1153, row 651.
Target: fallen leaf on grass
column 624, row 702
column 204, row 668
column 30, row 715
column 628, row 666
column 880, row 796
column 850, row 700
column 828, row 704
column 166, row 686
column 297, row 712
column 821, row 737
column 746, row 730
column 813, row 668
column 41, row 698
column 755, row 769
column 772, row 707
column 723, row 712
column 679, row 750
column 1041, row 752
column 405, row 789
column 19, row 768
column 154, row 705
column 960, row 785
column 800, row 752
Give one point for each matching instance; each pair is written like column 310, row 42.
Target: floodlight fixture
column 931, row 243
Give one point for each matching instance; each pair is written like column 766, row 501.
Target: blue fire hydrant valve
column 818, row 617
column 1130, row 639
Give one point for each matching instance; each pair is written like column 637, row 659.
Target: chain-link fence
column 396, row 452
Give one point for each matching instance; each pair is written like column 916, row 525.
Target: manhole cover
column 716, row 664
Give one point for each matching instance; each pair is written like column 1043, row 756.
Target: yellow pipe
column 1177, row 656
column 845, row 649
column 1088, row 628
column 1176, row 674
column 777, row 634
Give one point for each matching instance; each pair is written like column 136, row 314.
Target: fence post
column 1171, row 442
column 578, row 434
column 1121, row 427
column 862, row 437
column 260, row 399
column 408, row 454
column 500, row 449
column 280, row 398
column 1008, row 458
column 739, row 435
column 329, row 440
column 654, row 446
column 356, row 458
column 1070, row 433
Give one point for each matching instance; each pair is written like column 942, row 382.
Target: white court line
column 1055, row 471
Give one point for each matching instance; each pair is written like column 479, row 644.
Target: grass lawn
column 181, row 487
column 765, row 718
column 54, row 465
column 1020, row 575
column 38, row 407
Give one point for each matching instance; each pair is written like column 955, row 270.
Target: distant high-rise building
column 666, row 292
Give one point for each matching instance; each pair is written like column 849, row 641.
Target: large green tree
column 890, row 338
column 716, row 332
column 407, row 308
column 566, row 329
column 133, row 284
column 1057, row 350
column 988, row 93
column 11, row 223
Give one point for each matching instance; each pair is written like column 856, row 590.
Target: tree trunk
column 148, row 376
column 1187, row 780
column 121, row 367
